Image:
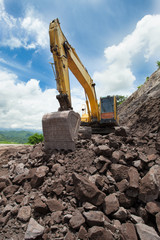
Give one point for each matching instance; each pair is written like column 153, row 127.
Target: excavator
column 60, row 128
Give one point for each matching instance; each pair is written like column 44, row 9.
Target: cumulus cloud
column 22, row 105
column 29, row 32
column 118, row 77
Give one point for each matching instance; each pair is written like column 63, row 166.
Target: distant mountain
column 20, row 129
column 17, row 136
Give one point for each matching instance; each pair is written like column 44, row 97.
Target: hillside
column 141, row 111
column 15, row 136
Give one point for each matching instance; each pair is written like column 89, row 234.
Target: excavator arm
column 65, row 57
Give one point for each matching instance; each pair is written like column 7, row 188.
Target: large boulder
column 77, row 220
column 146, row 232
column 111, row 204
column 86, row 191
column 34, row 230
column 150, row 185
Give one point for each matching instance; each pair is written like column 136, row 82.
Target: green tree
column 35, row 138
column 120, row 99
column 158, row 64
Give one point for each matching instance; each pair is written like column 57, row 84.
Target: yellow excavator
column 60, row 128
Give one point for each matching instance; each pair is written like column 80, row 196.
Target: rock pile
column 107, row 189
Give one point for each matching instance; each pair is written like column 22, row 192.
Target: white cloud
column 118, row 77
column 22, row 105
column 29, row 32
column 2, row 60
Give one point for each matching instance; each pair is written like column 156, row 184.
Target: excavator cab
column 108, row 106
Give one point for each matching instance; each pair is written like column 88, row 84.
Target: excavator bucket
column 60, row 130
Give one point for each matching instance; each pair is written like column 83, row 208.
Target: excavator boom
column 65, row 57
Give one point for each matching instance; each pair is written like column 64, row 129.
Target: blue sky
column 117, row 41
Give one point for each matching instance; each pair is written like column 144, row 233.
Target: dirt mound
column 107, row 189
column 141, row 111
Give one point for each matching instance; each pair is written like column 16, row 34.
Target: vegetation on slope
column 35, row 138
column 11, row 136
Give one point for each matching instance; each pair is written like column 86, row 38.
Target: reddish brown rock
column 54, row 205
column 39, row 175
column 94, row 218
column 86, row 191
column 117, row 155
column 121, row 131
column 151, row 157
column 100, row 181
column 104, row 150
column 69, row 236
column 133, row 176
column 92, row 170
column 150, row 185
column 19, row 179
column 119, row 171
column 146, row 232
column 57, row 169
column 24, row 213
column 10, row 190
column 37, row 152
column 111, row 204
column 56, row 217
column 142, row 212
column 128, row 231
column 4, row 182
column 4, row 219
column 89, row 206
column 138, row 164
column 34, row 230
column 83, row 234
column 104, row 168
column 77, row 220
column 133, row 187
column 129, row 157
column 122, row 185
column 8, row 208
column 19, row 198
column 99, row 233
column 121, row 214
column 40, row 206
column 153, row 207
column 2, row 186
column 143, row 157
column 57, row 187
column 125, row 201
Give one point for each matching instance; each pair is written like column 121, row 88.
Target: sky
column 116, row 40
